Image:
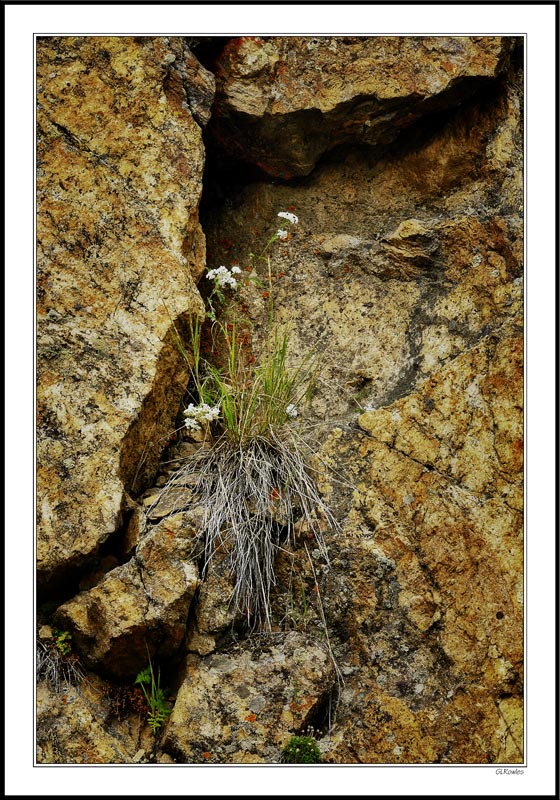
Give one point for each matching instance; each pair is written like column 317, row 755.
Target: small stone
column 151, row 498
column 257, row 704
column 169, row 502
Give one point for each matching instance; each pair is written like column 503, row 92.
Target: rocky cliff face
column 120, row 160
column 402, row 158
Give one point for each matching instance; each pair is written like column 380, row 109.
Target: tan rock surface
column 80, row 727
column 405, row 273
column 214, row 611
column 429, row 580
column 244, row 705
column 119, row 168
column 281, row 102
column 139, row 608
column 397, row 265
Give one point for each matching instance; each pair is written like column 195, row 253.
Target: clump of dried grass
column 253, row 492
column 60, row 670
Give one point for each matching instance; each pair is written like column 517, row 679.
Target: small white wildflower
column 235, row 270
column 282, row 234
column 291, row 410
column 290, row 217
column 212, row 274
column 201, row 413
column 209, row 414
column 222, row 276
column 191, row 425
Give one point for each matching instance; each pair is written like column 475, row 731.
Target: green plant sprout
column 62, row 640
column 158, row 710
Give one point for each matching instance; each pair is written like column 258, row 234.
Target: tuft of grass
column 252, row 492
column 254, row 482
column 58, row 666
column 256, row 401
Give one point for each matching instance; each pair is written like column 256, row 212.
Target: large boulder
column 281, row 102
column 139, row 610
column 119, row 177
column 244, row 705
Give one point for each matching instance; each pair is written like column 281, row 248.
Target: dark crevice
column 62, row 585
column 321, row 719
column 226, row 176
column 207, row 49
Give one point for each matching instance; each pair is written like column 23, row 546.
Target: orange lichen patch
column 250, row 718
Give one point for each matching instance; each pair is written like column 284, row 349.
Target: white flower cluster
column 290, row 217
column 224, row 276
column 197, row 414
column 291, row 410
column 281, row 233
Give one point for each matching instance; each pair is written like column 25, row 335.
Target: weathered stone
column 173, row 500
column 134, row 531
column 431, row 594
column 119, row 168
column 214, row 610
column 77, row 727
column 244, row 705
column 391, row 733
column 186, row 83
column 140, row 607
column 281, row 102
